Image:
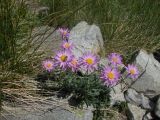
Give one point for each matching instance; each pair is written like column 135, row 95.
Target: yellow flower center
column 63, row 58
column 110, row 75
column 66, row 45
column 89, row 61
column 74, row 62
column 65, row 32
column 132, row 71
column 114, row 59
column 49, row 65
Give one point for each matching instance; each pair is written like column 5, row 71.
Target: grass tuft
column 126, row 25
column 16, row 58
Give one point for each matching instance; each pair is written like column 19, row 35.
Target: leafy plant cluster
column 81, row 89
column 87, row 89
column 84, row 78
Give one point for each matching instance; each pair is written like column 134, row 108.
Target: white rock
column 149, row 83
column 86, row 38
column 136, row 113
column 48, row 39
column 138, row 99
column 47, row 112
column 148, row 116
column 157, row 109
column 117, row 95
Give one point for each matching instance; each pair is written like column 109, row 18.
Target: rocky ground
column 142, row 96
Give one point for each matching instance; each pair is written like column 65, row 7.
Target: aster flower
column 48, row 65
column 67, row 45
column 64, row 32
column 132, row 71
column 115, row 59
column 89, row 62
column 62, row 59
column 110, row 76
column 74, row 65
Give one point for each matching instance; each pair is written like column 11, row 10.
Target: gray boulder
column 86, row 38
column 138, row 99
column 117, row 94
column 149, row 82
column 46, row 39
column 148, row 116
column 135, row 113
column 157, row 109
column 46, row 112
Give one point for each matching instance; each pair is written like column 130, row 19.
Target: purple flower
column 67, row 45
column 64, row 32
column 48, row 65
column 115, row 59
column 62, row 59
column 89, row 62
column 110, row 76
column 132, row 71
column 74, row 65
